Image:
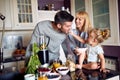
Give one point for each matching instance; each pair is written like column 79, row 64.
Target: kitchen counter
column 84, row 75
column 11, row 74
column 13, row 59
column 95, row 75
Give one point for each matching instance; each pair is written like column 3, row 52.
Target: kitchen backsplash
column 11, row 38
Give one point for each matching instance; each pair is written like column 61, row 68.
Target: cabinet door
column 103, row 14
column 5, row 10
column 25, row 14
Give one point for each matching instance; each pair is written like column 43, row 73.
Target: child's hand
column 104, row 70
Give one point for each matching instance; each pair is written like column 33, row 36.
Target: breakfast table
column 83, row 75
column 92, row 75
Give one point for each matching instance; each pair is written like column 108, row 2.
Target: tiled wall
column 111, row 63
column 113, row 51
column 26, row 35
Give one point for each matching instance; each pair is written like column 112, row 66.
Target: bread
column 71, row 65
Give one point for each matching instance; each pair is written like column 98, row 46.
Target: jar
column 56, row 63
column 42, row 76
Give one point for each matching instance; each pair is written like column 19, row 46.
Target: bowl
column 63, row 70
column 45, row 65
column 44, row 70
column 82, row 50
column 53, row 76
column 29, row 77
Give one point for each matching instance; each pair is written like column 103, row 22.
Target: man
column 56, row 30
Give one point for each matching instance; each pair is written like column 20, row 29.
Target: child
column 95, row 54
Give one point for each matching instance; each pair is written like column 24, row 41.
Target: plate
column 45, row 65
column 82, row 50
column 54, row 76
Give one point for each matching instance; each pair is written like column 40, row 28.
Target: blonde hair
column 87, row 25
column 100, row 34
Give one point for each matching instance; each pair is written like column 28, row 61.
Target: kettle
column 43, row 54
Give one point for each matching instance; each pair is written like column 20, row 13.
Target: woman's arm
column 77, row 37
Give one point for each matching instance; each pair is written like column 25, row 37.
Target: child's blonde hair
column 100, row 34
column 87, row 24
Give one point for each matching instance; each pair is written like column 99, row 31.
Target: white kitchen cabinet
column 20, row 14
column 103, row 14
column 25, row 14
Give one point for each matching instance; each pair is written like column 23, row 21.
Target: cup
column 56, row 63
column 13, row 68
column 29, row 77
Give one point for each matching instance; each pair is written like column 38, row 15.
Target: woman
column 83, row 24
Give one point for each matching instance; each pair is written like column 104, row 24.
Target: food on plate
column 52, row 76
column 62, row 69
column 19, row 52
column 22, row 51
column 44, row 70
column 71, row 65
column 56, row 65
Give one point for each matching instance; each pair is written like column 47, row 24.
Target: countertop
column 13, row 59
column 10, row 74
column 84, row 75
column 95, row 75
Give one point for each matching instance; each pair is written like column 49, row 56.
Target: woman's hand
column 71, row 32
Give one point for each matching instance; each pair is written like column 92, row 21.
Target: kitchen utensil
column 43, row 54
